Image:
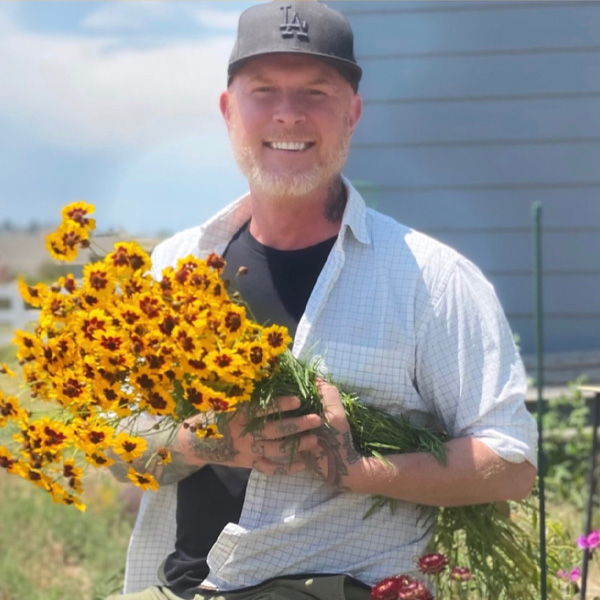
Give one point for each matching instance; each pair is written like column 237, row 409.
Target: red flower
column 387, row 589
column 400, row 587
column 432, row 564
column 414, row 590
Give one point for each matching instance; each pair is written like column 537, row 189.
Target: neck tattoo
column 336, row 202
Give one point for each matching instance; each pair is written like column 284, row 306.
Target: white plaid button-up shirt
column 409, row 325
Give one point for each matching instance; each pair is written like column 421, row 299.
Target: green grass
column 53, row 552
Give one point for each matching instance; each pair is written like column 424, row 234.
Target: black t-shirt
column 276, row 287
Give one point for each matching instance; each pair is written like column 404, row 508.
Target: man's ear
column 355, row 111
column 224, row 106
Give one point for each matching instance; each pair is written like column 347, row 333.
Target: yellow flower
column 198, row 394
column 67, row 283
column 144, row 380
column 144, row 481
column 136, row 284
column 56, row 309
column 9, row 462
column 97, row 281
column 9, row 409
column 35, row 476
column 128, row 447
column 227, row 365
column 72, row 474
column 164, row 455
column 129, row 317
column 32, row 294
column 78, row 212
column 87, row 323
column 92, row 435
column 233, row 323
column 61, row 496
column 53, row 435
column 254, row 353
column 71, row 389
column 6, row 370
column 240, row 391
column 58, row 354
column 277, row 338
column 64, row 243
column 28, row 345
column 208, row 431
column 150, row 306
column 99, row 459
column 219, row 402
column 110, row 343
column 121, row 406
column 127, row 258
column 158, row 402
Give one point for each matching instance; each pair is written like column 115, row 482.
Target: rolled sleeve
column 469, row 371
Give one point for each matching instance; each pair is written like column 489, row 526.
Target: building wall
column 472, row 112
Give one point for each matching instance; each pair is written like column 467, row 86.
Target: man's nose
column 289, row 109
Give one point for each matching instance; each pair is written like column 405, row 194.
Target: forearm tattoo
column 328, row 464
column 352, row 454
column 215, row 450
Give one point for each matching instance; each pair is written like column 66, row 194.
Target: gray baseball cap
column 299, row 27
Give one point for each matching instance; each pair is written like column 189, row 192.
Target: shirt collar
column 232, row 217
column 355, row 215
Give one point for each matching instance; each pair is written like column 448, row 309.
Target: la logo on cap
column 294, row 27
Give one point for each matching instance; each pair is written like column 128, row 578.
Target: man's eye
column 316, row 92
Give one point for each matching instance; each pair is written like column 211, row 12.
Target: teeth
column 296, row 146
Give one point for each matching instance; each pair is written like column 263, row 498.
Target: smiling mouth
column 289, row 146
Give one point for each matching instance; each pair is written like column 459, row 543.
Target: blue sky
column 115, row 103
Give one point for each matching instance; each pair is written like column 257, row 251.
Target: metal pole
column 536, row 213
column 592, row 484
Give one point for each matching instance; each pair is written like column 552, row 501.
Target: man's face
column 290, row 119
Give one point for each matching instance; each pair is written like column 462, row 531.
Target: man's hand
column 276, row 449
column 333, row 455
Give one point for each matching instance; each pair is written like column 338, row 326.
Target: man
column 396, row 317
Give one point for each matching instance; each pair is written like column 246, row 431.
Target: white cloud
column 125, row 16
column 87, row 92
column 216, row 19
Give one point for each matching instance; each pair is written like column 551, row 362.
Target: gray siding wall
column 472, row 112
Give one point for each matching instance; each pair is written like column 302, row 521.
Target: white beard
column 291, row 185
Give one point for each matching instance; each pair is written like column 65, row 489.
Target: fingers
column 283, row 449
column 288, row 426
column 270, row 468
column 281, row 404
column 330, row 399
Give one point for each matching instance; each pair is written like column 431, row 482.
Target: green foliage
column 53, row 552
column 7, row 354
column 499, row 543
column 567, row 446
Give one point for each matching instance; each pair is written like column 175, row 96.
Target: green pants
column 318, row 587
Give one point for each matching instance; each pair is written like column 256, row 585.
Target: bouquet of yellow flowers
column 119, row 342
